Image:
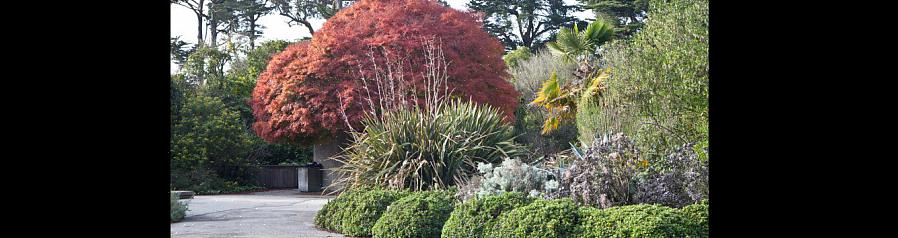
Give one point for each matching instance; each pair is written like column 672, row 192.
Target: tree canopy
column 527, row 23
column 301, row 95
column 628, row 16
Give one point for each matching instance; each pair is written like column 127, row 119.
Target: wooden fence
column 278, row 176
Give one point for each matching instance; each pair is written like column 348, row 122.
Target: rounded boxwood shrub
column 421, row 214
column 330, row 216
column 542, row 218
column 476, row 216
column 697, row 214
column 362, row 210
column 644, row 221
column 354, row 212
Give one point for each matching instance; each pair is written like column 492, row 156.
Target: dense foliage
column 475, row 217
column 208, row 136
column 301, row 95
column 413, row 149
column 212, row 149
column 542, row 218
column 366, row 209
column 354, row 213
column 697, row 214
column 658, row 92
column 330, row 217
column 420, row 214
column 652, row 221
column 627, row 16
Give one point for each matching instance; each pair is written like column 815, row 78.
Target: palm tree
column 574, row 45
column 561, row 102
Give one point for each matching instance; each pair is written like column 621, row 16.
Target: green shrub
column 421, row 214
column 476, row 216
column 593, row 119
column 512, row 58
column 355, row 211
column 698, row 217
column 542, row 218
column 363, row 209
column 659, row 82
column 330, row 217
column 427, row 149
column 209, row 137
column 644, row 221
column 178, row 209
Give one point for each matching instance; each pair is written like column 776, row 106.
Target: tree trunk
column 252, row 34
column 309, row 26
column 199, row 28
column 213, row 32
column 322, row 154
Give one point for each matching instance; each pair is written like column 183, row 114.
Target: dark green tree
column 221, row 13
column 237, row 85
column 527, row 23
column 248, row 12
column 627, row 16
column 209, row 135
column 180, row 50
column 204, row 65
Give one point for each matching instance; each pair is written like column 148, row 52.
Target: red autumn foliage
column 297, row 99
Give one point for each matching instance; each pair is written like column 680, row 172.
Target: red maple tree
column 300, row 96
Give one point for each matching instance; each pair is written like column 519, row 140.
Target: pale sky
column 183, row 23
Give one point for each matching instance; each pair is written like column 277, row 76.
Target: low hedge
column 354, row 212
column 542, row 218
column 330, row 217
column 645, row 221
column 476, row 216
column 421, row 214
column 363, row 210
column 698, row 215
column 392, row 213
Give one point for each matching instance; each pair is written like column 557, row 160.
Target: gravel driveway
column 278, row 213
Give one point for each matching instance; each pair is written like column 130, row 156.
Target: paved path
column 278, row 213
